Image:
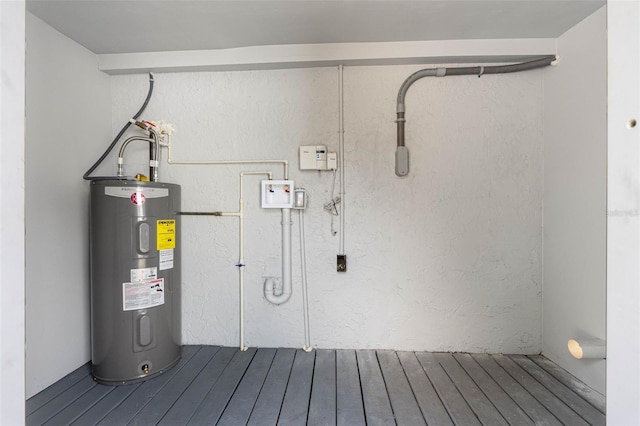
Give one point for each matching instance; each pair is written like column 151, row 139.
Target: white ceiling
column 122, row 26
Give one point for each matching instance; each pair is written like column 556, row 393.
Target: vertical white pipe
column 242, row 346
column 240, row 214
column 241, row 264
column 269, row 284
column 303, row 270
column 286, row 253
column 341, row 152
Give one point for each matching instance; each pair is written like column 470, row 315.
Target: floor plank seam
column 413, row 392
column 386, row 387
column 286, row 386
column 168, row 381
column 195, row 377
column 313, row 377
column 33, row 409
column 173, row 373
column 551, row 391
column 335, row 380
column 553, row 413
column 565, row 382
column 524, row 410
column 555, row 392
column 364, row 408
column 435, row 389
column 410, row 388
column 526, row 413
column 135, row 388
column 459, row 391
column 86, row 410
column 244, row 373
column 255, row 401
column 64, row 407
column 477, row 385
column 211, row 385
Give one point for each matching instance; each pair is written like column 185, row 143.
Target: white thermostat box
column 277, row 194
column 313, row 157
column 332, row 161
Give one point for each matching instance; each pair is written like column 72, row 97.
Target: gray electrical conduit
column 402, row 153
column 87, row 174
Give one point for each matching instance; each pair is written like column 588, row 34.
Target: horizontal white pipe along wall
column 445, row 259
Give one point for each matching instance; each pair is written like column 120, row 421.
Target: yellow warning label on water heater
column 166, row 236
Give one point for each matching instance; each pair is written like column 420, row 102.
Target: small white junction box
column 332, row 161
column 277, row 194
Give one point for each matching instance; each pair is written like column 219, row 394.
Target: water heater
column 135, row 280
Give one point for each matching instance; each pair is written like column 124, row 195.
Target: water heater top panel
column 137, row 191
column 129, row 191
column 138, row 194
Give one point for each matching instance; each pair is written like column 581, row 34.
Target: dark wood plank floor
column 222, row 386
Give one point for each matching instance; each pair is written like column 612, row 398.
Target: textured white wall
column 575, row 201
column 448, row 258
column 67, row 128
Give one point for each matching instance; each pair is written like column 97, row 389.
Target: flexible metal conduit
column 402, row 154
column 154, row 153
column 87, row 174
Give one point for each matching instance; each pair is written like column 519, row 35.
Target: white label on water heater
column 166, row 259
column 144, row 274
column 142, row 295
column 128, row 191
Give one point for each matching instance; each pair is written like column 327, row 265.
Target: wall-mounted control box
column 332, row 161
column 277, row 194
column 316, row 157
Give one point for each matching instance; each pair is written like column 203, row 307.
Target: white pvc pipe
column 341, row 153
column 286, row 234
column 270, row 293
column 303, row 270
column 241, row 263
column 285, row 163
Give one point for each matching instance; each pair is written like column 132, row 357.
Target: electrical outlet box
column 313, row 157
column 342, row 263
column 277, row 194
column 299, row 199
